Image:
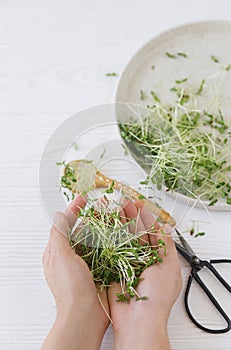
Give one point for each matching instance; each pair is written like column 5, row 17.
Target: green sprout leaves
column 214, row 59
column 111, row 252
column 181, row 146
column 110, row 189
column 111, row 74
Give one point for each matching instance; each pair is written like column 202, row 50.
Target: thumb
column 59, row 232
column 60, row 224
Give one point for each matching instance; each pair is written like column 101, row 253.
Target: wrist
column 143, row 335
column 77, row 321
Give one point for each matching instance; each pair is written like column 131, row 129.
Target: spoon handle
column 162, row 215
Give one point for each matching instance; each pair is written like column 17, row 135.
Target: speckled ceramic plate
column 151, row 69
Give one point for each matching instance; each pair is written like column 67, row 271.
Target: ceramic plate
column 201, row 51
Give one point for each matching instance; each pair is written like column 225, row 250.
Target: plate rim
column 155, row 37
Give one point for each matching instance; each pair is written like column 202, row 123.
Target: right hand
column 143, row 324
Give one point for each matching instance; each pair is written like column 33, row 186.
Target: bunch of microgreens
column 111, row 252
column 183, row 148
column 103, row 240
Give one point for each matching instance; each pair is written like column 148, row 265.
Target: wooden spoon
column 93, row 178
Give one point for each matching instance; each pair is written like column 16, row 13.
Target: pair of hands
column 81, row 321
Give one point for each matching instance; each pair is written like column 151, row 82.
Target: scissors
column 197, row 264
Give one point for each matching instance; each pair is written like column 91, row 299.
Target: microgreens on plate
column 183, row 147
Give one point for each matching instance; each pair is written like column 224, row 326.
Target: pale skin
column 81, row 321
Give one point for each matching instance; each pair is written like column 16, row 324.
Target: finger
column 132, row 212
column 116, row 307
column 72, row 211
column 60, row 224
column 113, row 290
column 101, row 203
column 58, row 241
column 164, row 235
column 79, row 234
column 149, row 221
column 46, row 254
column 122, row 216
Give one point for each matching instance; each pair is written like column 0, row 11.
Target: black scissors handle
column 209, row 265
column 194, row 275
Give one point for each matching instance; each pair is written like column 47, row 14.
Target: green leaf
column 199, row 234
column 102, row 154
column 135, row 253
column 169, row 55
column 214, row 201
column 199, row 91
column 67, row 196
column 181, row 81
column 155, row 97
column 214, row 59
column 136, row 282
column 142, row 95
column 122, row 298
column 111, row 74
column 182, row 54
column 129, row 272
column 162, row 243
column 192, row 231
column 110, row 189
column 141, row 197
column 145, row 182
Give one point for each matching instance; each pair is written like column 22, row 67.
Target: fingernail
column 60, row 223
column 125, row 201
column 57, row 216
column 168, row 229
column 83, row 196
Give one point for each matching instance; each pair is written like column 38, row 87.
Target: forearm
column 61, row 337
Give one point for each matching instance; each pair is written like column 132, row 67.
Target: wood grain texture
column 53, row 60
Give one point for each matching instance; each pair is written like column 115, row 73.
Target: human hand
column 81, row 321
column 143, row 324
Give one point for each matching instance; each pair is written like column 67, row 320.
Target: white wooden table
column 53, row 60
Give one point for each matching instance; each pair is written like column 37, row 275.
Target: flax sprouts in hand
column 111, row 252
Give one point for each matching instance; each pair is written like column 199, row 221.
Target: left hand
column 79, row 311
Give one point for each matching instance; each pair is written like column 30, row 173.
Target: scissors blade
column 185, row 244
column 183, row 252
